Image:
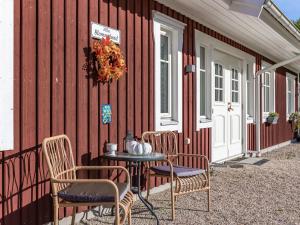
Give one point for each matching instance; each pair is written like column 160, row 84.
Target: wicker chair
column 68, row 191
column 186, row 179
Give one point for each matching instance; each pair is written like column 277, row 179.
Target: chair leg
column 73, row 215
column 117, row 216
column 172, row 201
column 208, row 200
column 55, row 211
column 129, row 217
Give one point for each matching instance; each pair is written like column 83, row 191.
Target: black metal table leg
column 144, row 201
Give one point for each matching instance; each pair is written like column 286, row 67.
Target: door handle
column 229, row 107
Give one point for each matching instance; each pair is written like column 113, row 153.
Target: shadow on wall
column 26, row 187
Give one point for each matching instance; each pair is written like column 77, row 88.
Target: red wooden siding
column 251, row 140
column 281, row 132
column 54, row 93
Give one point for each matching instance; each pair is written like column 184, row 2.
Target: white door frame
column 245, row 58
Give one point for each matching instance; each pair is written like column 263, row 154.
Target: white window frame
column 7, row 75
column 292, row 78
column 250, row 90
column 173, row 121
column 271, row 94
column 203, row 121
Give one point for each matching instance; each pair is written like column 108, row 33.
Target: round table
column 138, row 159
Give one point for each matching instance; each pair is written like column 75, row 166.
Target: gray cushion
column 179, row 171
column 92, row 192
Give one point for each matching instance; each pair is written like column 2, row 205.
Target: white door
column 227, row 110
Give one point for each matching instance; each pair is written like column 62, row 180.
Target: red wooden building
column 191, row 68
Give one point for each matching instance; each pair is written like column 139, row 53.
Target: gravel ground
column 266, row 194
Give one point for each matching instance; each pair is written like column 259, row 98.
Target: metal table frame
column 138, row 159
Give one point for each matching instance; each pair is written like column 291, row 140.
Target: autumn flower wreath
column 111, row 62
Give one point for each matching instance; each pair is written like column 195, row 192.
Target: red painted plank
column 93, row 93
column 138, row 68
column 145, row 64
column 44, row 211
column 70, row 71
column 82, row 87
column 28, row 95
column 57, row 72
column 130, row 66
column 57, row 67
column 113, row 86
column 122, row 82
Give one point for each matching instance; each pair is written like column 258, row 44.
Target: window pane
column 290, row 103
column 267, row 79
column 202, row 58
column 216, row 69
column 221, row 96
column 164, row 47
column 248, row 98
column 217, row 82
column 202, row 93
column 248, row 72
column 220, row 70
column 221, row 82
column 289, row 85
column 164, row 88
column 267, row 99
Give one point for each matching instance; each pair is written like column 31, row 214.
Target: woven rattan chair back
column 162, row 142
column 59, row 156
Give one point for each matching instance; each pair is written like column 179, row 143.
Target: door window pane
column 234, row 85
column 219, row 96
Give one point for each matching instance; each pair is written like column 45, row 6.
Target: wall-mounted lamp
column 190, row 68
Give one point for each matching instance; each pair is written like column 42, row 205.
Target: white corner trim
column 6, row 74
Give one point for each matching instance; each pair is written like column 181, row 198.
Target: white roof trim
column 281, row 18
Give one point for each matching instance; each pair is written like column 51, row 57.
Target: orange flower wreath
column 111, row 62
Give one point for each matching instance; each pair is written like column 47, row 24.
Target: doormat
column 254, row 161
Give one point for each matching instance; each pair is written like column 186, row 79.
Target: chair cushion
column 92, row 192
column 179, row 171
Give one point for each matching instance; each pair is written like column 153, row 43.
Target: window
column 290, row 94
column 219, row 83
column 234, row 86
column 249, row 92
column 168, row 38
column 268, row 92
column 203, row 82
